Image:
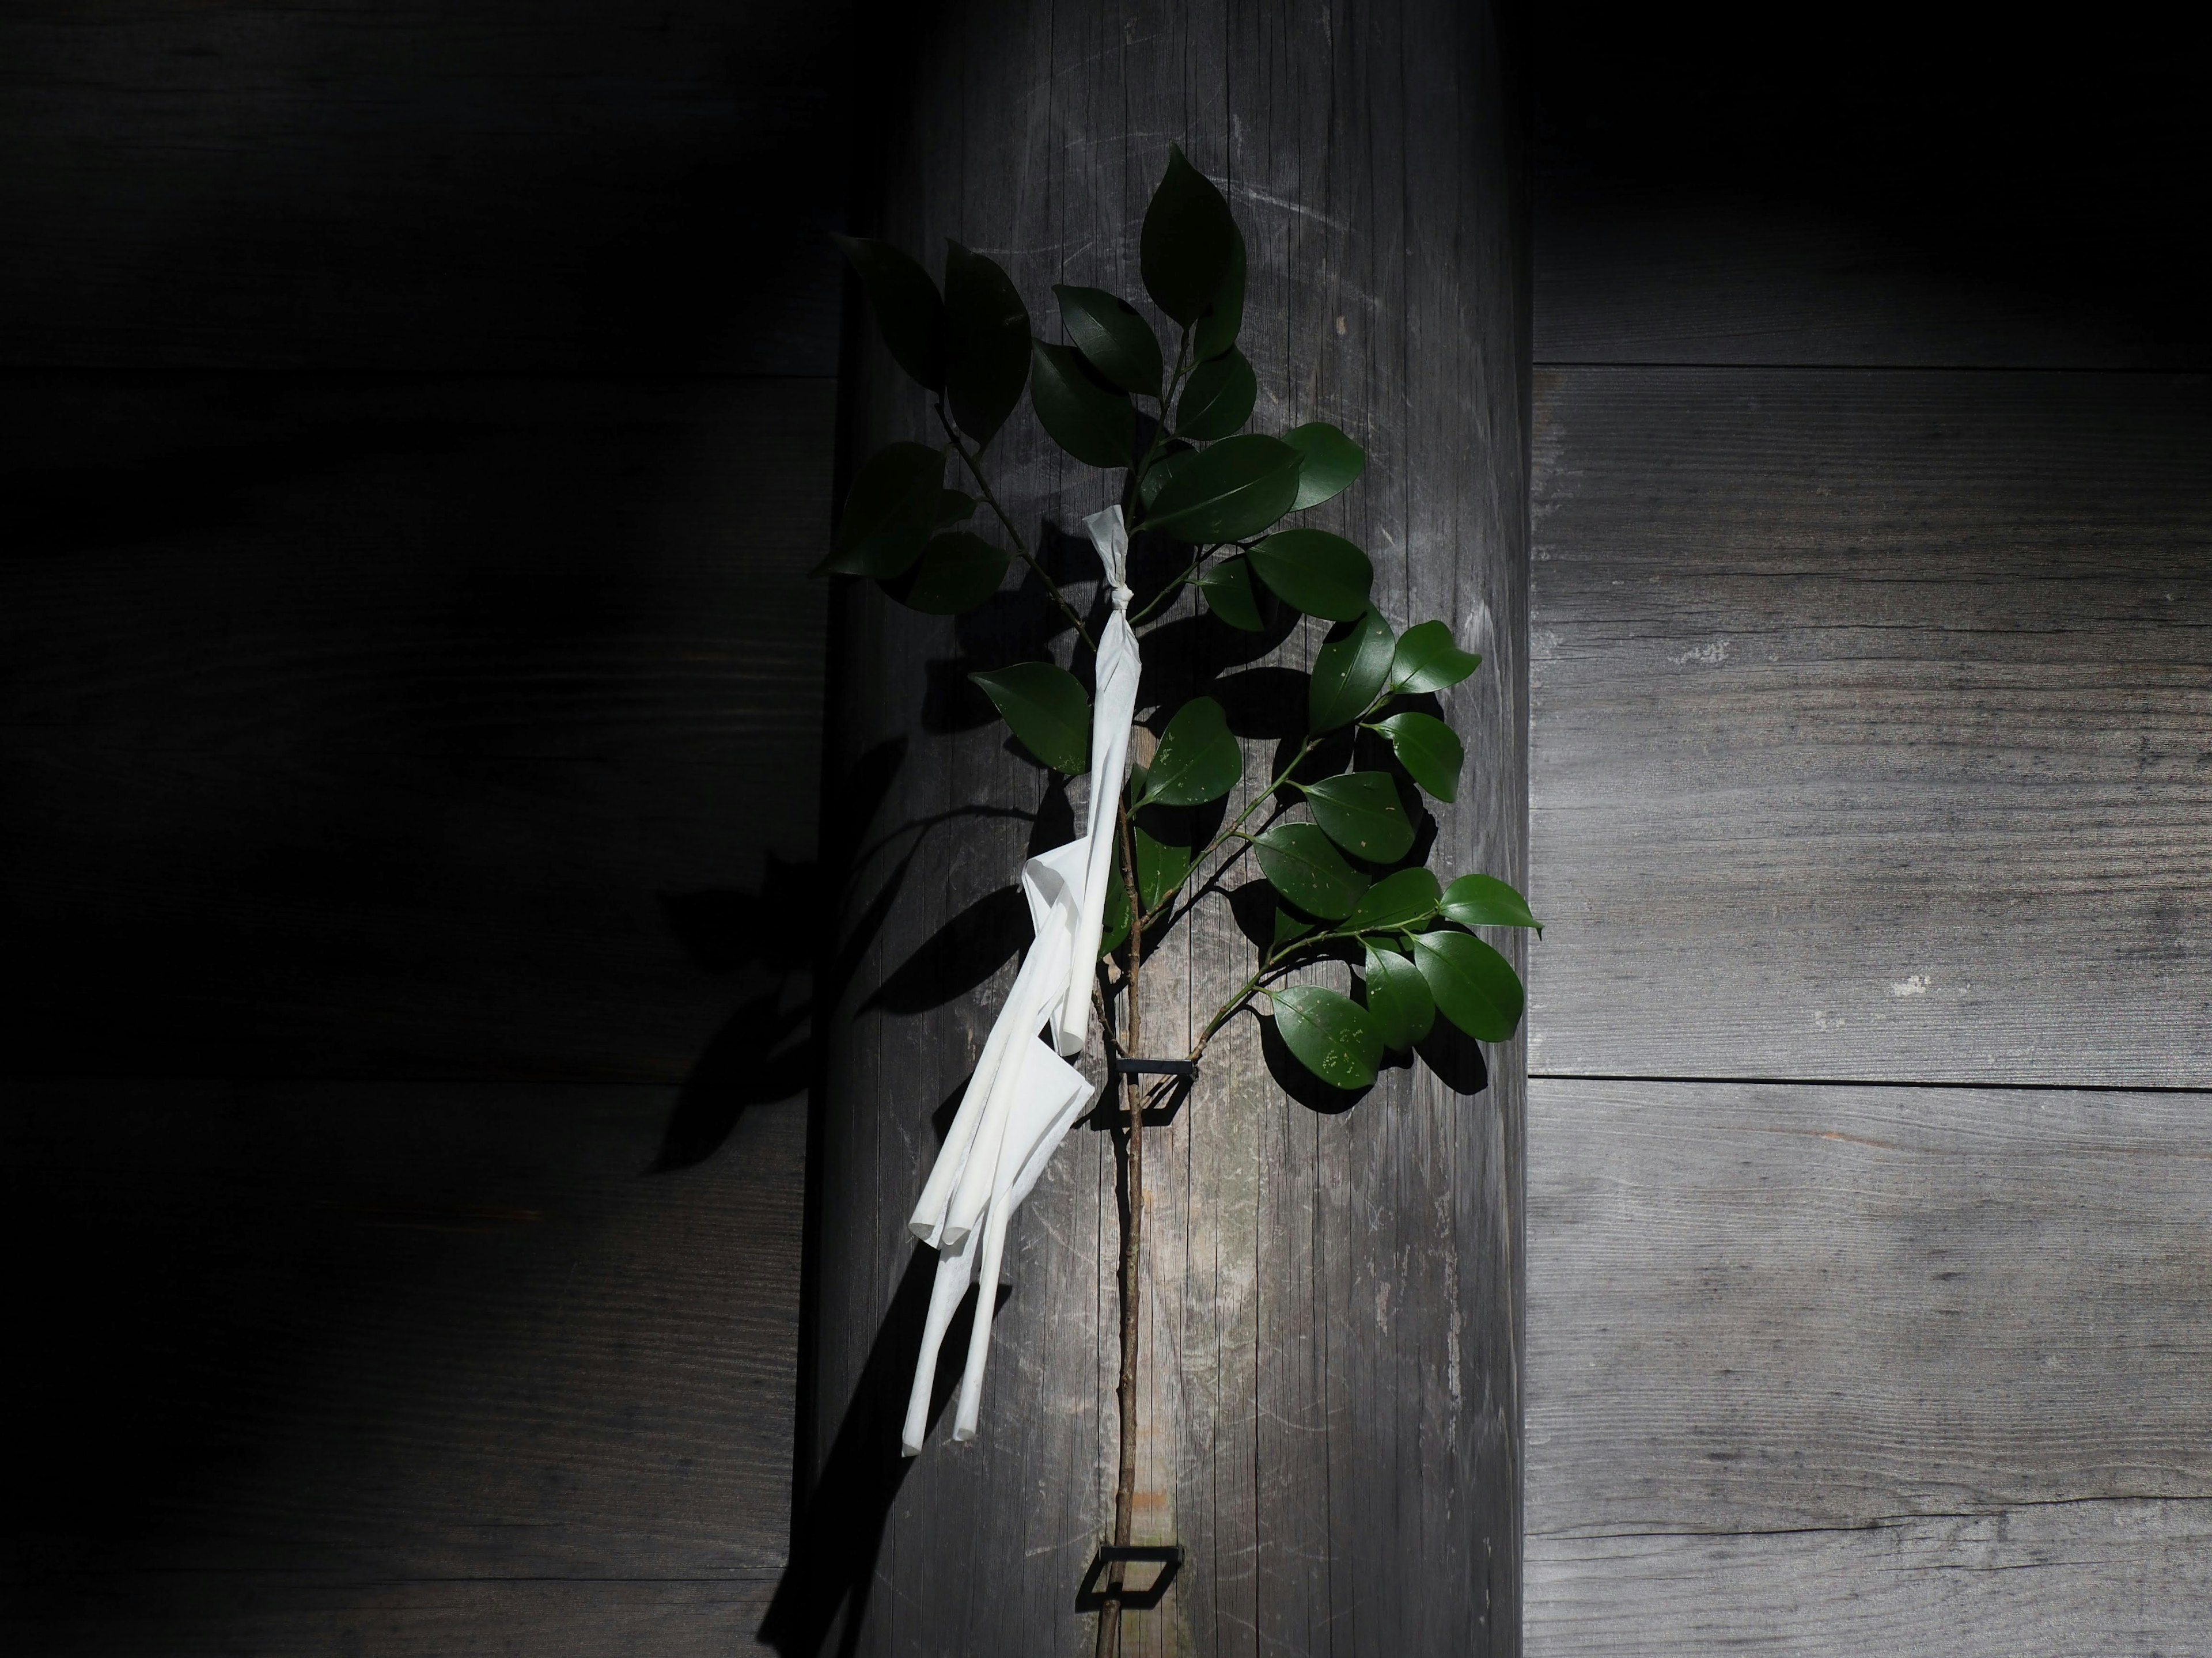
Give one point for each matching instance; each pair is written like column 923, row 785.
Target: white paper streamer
column 1024, row 1097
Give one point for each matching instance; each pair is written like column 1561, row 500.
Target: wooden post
column 1329, row 1412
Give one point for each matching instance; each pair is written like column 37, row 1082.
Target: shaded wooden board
column 2133, row 1580
column 322, row 1361
column 485, row 186
column 1904, row 1329
column 416, row 727
column 1873, row 726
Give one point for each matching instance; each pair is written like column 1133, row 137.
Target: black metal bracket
column 1161, row 1108
column 1168, row 1556
column 1123, row 1067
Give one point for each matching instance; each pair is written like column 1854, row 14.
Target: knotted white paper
column 1024, row 1097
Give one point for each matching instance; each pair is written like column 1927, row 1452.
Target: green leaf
column 1314, row 571
column 1334, row 461
column 1228, row 595
column 1156, row 474
column 1082, row 413
column 1348, row 672
column 1299, row 862
column 1216, row 332
column 1116, row 932
column 1048, row 710
column 1331, row 1036
column 1397, row 901
column 1218, row 398
column 1189, row 241
column 1289, row 929
column 1361, row 811
column 1198, row 759
column 1113, row 336
column 958, row 571
column 987, row 334
column 1475, row 988
column 1428, row 660
column 1160, row 868
column 1398, row 998
column 1231, row 492
column 1485, row 900
column 954, row 506
column 889, row 512
column 1427, row 747
column 907, row 306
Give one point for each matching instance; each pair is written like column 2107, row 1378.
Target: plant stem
column 1133, row 1225
column 1021, row 547
column 1233, row 832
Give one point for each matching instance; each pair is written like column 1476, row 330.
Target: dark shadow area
column 959, row 956
column 1455, row 1057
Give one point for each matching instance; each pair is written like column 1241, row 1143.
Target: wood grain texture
column 411, row 726
column 1873, row 726
column 411, row 1367
column 1328, row 1418
column 1818, row 1369
column 493, row 185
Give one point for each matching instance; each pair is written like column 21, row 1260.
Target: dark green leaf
column 1218, row 398
column 1314, row 571
column 1289, row 929
column 1116, row 932
column 1334, row 461
column 1485, row 900
column 1427, row 747
column 1048, row 710
column 954, row 506
column 1217, row 330
column 1158, row 474
column 1160, row 868
column 1138, row 776
column 1348, row 671
column 1083, row 415
column 1361, row 811
column 1189, row 241
column 987, row 334
column 1428, row 660
column 1331, row 1036
column 889, row 512
column 1397, row 901
column 1115, row 339
column 1299, row 862
column 907, row 306
column 1228, row 590
column 1475, row 988
column 1228, row 493
column 1198, row 759
column 1398, row 998
column 958, row 571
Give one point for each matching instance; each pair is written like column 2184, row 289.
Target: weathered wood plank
column 1904, row 1329
column 487, row 186
column 445, row 727
column 325, row 1361
column 1873, row 726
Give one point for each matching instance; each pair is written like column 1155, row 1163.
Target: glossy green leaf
column 1427, row 747
column 1331, row 1035
column 1216, row 332
column 1300, row 864
column 1428, row 660
column 1189, row 242
column 1228, row 589
column 1397, row 901
column 1475, row 988
column 1314, row 571
column 907, row 309
column 1333, row 463
column 890, row 512
column 1081, row 413
column 1116, row 932
column 1348, row 672
column 1218, row 398
column 1485, row 900
column 1113, row 336
column 987, row 337
column 1172, row 457
column 1230, row 492
column 1198, row 759
column 954, row 506
column 1160, row 867
column 1047, row 708
column 1289, row 929
column 1398, row 998
column 1361, row 811
column 958, row 571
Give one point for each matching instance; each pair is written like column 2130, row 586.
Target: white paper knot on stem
column 1024, row 1097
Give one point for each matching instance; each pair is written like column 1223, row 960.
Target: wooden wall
column 1870, row 1144
column 417, row 421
